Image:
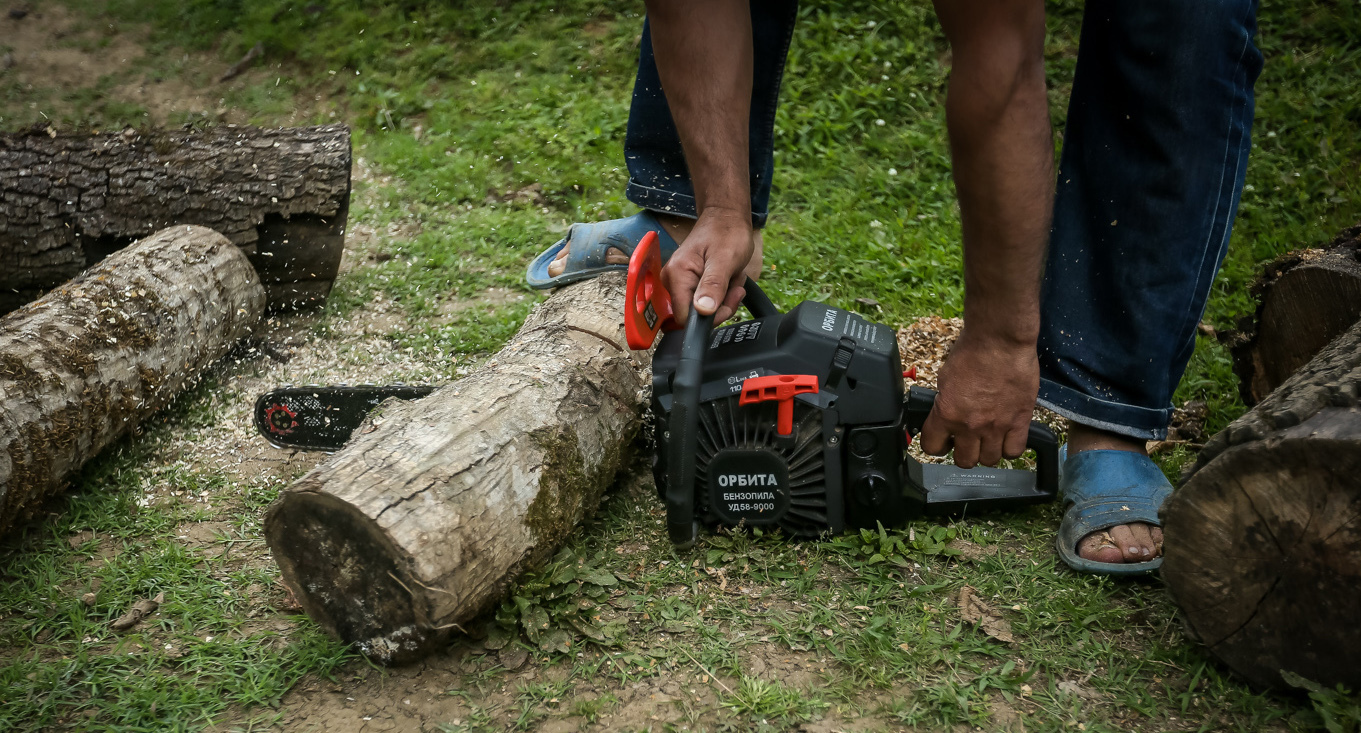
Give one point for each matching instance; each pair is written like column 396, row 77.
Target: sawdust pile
column 924, row 344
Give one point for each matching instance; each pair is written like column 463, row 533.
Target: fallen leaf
column 290, row 602
column 973, row 610
column 973, row 552
column 1071, row 687
column 512, row 657
column 140, row 610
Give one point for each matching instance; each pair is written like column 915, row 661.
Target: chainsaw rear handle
column 683, row 445
column 1040, row 439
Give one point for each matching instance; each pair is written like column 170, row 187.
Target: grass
column 201, row 653
column 485, row 129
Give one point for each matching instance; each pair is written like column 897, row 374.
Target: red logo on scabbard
column 280, row 419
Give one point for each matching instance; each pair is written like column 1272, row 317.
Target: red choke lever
column 647, row 304
column 781, row 388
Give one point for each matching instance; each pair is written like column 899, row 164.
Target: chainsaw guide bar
column 314, row 417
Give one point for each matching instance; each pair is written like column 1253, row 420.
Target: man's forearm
column 703, row 50
column 704, row 58
column 1002, row 150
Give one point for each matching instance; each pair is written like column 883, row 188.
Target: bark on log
column 1263, row 538
column 422, row 521
column 81, row 366
column 68, row 201
column 1305, row 299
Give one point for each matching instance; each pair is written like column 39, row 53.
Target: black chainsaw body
column 843, row 465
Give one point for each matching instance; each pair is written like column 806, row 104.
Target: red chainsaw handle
column 647, row 304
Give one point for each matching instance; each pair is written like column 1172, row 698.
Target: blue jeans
column 1154, row 155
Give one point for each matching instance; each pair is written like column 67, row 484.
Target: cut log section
column 424, row 519
column 1263, row 539
column 81, row 366
column 68, row 201
column 1305, row 299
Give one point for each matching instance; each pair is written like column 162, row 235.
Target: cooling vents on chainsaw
column 729, row 429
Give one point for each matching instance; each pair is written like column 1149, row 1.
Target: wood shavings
column 924, row 344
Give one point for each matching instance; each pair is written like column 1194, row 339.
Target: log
column 424, row 519
column 84, row 364
column 1306, row 298
column 69, row 200
column 1263, row 537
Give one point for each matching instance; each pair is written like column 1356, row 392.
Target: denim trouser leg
column 658, row 177
column 1152, row 169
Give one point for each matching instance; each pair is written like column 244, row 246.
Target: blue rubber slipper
column 1106, row 488
column 591, row 244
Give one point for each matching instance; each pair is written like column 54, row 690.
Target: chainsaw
column 799, row 421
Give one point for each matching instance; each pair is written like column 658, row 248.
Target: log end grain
column 348, row 577
column 1263, row 553
column 1306, row 299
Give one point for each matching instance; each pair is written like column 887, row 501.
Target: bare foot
column 679, row 228
column 1123, row 543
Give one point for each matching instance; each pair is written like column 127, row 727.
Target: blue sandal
column 1106, row 488
column 591, row 244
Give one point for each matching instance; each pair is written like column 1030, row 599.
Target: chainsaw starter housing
column 841, row 465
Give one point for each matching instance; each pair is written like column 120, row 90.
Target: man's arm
column 703, row 50
column 1002, row 150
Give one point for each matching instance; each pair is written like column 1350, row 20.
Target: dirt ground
column 52, row 47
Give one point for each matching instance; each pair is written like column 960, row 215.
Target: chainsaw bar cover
column 322, row 418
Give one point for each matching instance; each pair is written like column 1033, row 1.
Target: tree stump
column 82, row 365
column 68, row 201
column 1263, row 538
column 424, row 519
column 1306, row 298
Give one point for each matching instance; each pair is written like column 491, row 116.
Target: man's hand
column 709, row 268
column 987, row 391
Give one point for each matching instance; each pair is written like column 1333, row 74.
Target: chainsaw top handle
column 647, row 302
column 1041, row 439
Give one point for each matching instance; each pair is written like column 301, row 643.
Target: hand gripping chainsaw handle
column 1012, row 487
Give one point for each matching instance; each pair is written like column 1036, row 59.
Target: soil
column 52, row 47
column 444, row 691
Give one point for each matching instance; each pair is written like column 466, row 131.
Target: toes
column 558, row 264
column 1136, row 541
column 1128, row 544
column 1099, row 547
column 1143, row 539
